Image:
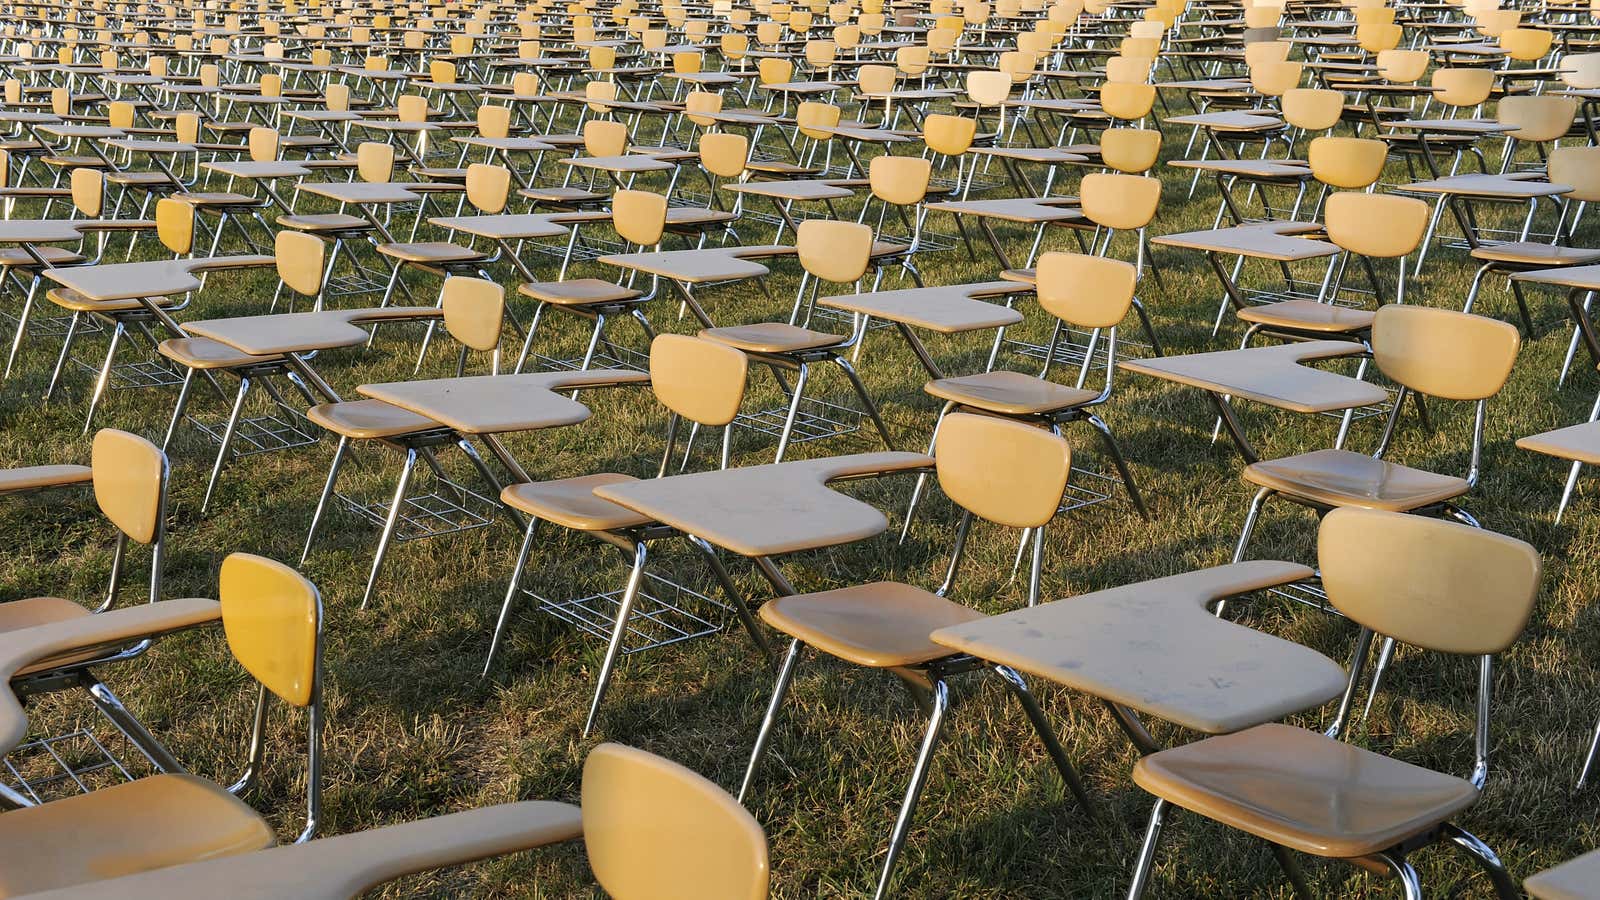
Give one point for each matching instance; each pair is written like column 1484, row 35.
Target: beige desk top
column 150, row 146
column 362, row 191
column 505, row 144
column 1579, row 442
column 83, row 131
column 1575, row 879
column 1051, row 155
column 1258, row 168
column 947, row 310
column 1581, row 277
column 636, row 162
column 1256, row 241
column 154, row 278
column 801, row 190
column 347, row 865
column 506, row 227
column 1272, row 375
column 23, row 647
column 262, row 169
column 1232, row 120
column 700, row 266
column 1027, row 210
column 1511, row 187
column 499, row 404
column 303, row 332
column 767, row 510
column 1452, row 126
column 1154, row 647
column 39, row 231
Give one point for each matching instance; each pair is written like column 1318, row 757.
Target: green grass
column 413, row 731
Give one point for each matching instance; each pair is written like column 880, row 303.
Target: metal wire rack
column 266, row 433
column 606, row 356
column 659, row 615
column 813, row 421
column 1072, row 349
column 448, row 509
column 146, row 373
column 77, row 762
column 54, row 326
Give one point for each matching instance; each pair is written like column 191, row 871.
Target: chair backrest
column 604, row 137
column 175, row 225
column 1008, row 472
column 875, row 79
column 1383, row 226
column 653, row 830
column 1526, row 44
column 1127, row 102
column 1403, row 66
column 1462, row 86
column 494, row 122
column 1266, row 51
column 263, row 143
column 834, row 251
column 1347, row 163
column 1538, row 117
column 1275, row 78
column 988, row 87
column 899, row 180
column 375, row 161
column 337, row 97
column 1119, row 201
column 947, row 134
column 1129, row 69
column 700, row 380
column 1312, row 109
column 639, row 216
column 299, row 260
column 1578, row 167
column 724, row 153
column 474, row 310
column 1444, row 353
column 88, row 192
column 412, row 108
column 1086, row 291
column 1581, row 70
column 702, row 102
column 1376, row 37
column 1130, row 150
column 130, row 476
column 810, row 117
column 488, row 187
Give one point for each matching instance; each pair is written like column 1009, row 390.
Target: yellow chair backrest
column 639, row 216
column 299, row 260
column 175, row 225
column 272, row 617
column 129, row 475
column 474, row 311
column 834, row 251
column 1444, row 353
column 700, row 380
column 899, row 180
column 1005, row 471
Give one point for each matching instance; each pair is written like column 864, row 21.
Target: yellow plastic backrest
column 1266, row 51
column 724, row 153
column 1433, row 584
column 1378, row 225
column 119, row 114
column 299, row 260
column 337, row 97
column 1006, row 471
column 1274, row 79
column 701, row 380
column 1347, row 163
column 1581, row 70
column 1403, row 66
column 1379, row 36
column 913, row 60
column 1086, row 291
column 653, row 829
column 1526, row 44
column 1312, row 109
column 488, row 187
column 525, row 84
column 988, row 88
column 1463, row 87
column 263, row 144
column 698, row 104
column 1127, row 102
column 1444, row 353
column 88, row 192
column 1130, row 150
column 474, row 310
column 686, row 62
column 271, row 85
column 639, row 216
column 774, row 70
column 874, row 79
column 900, row 180
column 1578, row 167
column 811, row 116
column 834, row 251
column 128, row 473
column 272, row 615
column 374, row 161
column 175, row 225
column 1115, row 200
column 1538, row 117
column 494, row 122
column 603, row 137
column 947, row 134
column 412, row 108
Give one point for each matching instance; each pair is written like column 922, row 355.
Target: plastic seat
column 430, row 252
column 881, row 625
column 55, row 256
column 325, row 222
column 1308, row 315
column 204, row 353
column 1528, row 253
column 1305, row 791
column 1010, row 393
column 578, row 292
column 571, row 502
column 1344, row 478
column 69, row 299
column 130, row 827
column 771, row 337
column 368, row 419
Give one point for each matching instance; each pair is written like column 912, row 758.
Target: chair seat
column 1010, row 393
column 31, row 611
column 136, row 826
column 368, row 419
column 1343, row 478
column 134, row 179
column 578, row 292
column 881, row 625
column 204, row 353
column 695, row 217
column 1309, row 315
column 779, row 167
column 772, row 337
column 221, row 198
column 563, row 195
column 325, row 222
column 1530, row 253
column 69, row 299
column 29, row 478
column 55, row 256
column 74, row 162
column 440, row 174
column 1304, row 791
column 571, row 503
column 430, row 252
column 1580, row 443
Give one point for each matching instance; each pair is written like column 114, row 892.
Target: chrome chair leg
column 511, row 594
column 919, row 777
column 178, row 409
column 1385, row 656
column 794, row 410
column 389, row 524
column 22, row 327
column 112, row 708
column 872, row 408
column 1147, row 850
column 768, row 721
column 1486, row 859
column 104, row 380
column 619, row 630
column 1110, row 441
column 922, row 477
column 1410, row 882
column 227, row 442
column 66, row 353
column 1588, row 760
column 327, row 492
column 735, row 596
column 1047, row 736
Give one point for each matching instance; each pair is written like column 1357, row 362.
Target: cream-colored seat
column 204, row 353
column 1575, row 879
column 571, row 503
column 1308, row 316
column 72, row 301
column 1010, row 393
column 578, row 291
column 368, row 419
column 770, row 337
column 1343, row 478
column 1440, row 586
column 881, row 625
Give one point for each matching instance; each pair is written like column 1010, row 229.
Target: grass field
column 413, row 730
